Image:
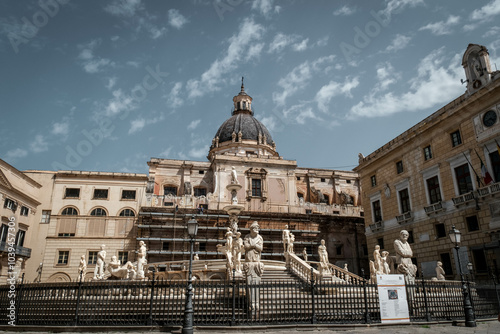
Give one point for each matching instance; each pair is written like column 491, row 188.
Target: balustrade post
column 233, row 316
column 77, row 307
column 150, row 320
column 427, row 313
column 367, row 314
column 313, row 308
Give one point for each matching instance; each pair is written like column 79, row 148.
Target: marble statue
column 323, row 258
column 240, row 136
column 403, row 257
column 99, row 267
column 141, row 260
column 82, row 268
column 304, row 254
column 237, row 249
column 253, row 267
column 286, row 238
column 377, row 259
column 229, row 239
column 234, row 176
column 196, row 257
column 38, row 278
column 121, row 272
column 290, row 243
column 347, row 277
column 384, row 263
column 440, row 271
column 233, row 137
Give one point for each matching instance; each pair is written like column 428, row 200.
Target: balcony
column 377, row 226
column 405, row 217
column 436, row 207
column 19, row 251
column 489, row 190
column 463, row 199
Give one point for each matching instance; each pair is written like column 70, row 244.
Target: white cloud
column 91, row 63
column 119, row 103
column 125, row 8
column 39, row 144
column 386, row 75
column 60, row 128
column 281, row 41
column 156, row 32
column 137, row 125
column 396, row 6
column 111, row 83
column 265, row 7
column 442, row 27
column 249, row 33
column 344, row 11
column 176, row 19
column 16, row 153
column 486, row 12
column 194, row 124
column 332, row 89
column 199, row 152
column 435, row 84
column 493, row 31
column 300, row 46
column 322, row 41
column 269, row 122
column 254, row 51
column 298, row 79
column 173, row 98
column 398, row 43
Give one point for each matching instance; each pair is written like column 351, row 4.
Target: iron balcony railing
column 19, row 250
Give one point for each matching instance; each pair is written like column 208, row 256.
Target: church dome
column 249, row 127
column 242, row 132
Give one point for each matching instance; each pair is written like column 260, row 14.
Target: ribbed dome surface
column 249, row 126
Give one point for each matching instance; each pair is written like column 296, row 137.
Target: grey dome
column 249, row 126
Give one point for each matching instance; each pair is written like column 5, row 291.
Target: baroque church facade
column 74, row 213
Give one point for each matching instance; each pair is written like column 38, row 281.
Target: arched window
column 98, row 212
column 69, row 211
column 127, row 213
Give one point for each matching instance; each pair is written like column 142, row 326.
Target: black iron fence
column 129, row 303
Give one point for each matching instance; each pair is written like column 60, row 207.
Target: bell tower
column 242, row 101
column 476, row 63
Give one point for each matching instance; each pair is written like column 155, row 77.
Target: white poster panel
column 392, row 299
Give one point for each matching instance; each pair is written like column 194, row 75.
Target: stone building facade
column 431, row 177
column 84, row 210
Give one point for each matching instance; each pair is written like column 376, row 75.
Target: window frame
column 256, row 187
column 67, row 253
column 68, row 196
column 373, row 180
column 171, row 187
column 98, row 210
column 196, row 191
column 92, row 255
column 24, row 211
column 125, row 210
column 456, row 138
column 428, row 174
column 96, row 190
column 124, row 197
column 427, row 152
column 45, row 218
column 67, row 208
column 399, row 167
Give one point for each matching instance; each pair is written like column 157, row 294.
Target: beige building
column 430, row 178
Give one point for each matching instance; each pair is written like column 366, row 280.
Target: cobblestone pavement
column 483, row 327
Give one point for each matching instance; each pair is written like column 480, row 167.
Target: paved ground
column 483, row 327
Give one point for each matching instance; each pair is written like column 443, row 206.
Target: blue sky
column 106, row 85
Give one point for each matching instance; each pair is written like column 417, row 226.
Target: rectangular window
column 123, row 257
column 10, row 204
column 446, row 261
column 45, row 217
column 339, row 249
column 200, row 192
column 165, row 246
column 495, row 164
column 202, row 247
column 63, row 257
column 309, row 211
column 472, row 223
column 380, row 242
column 404, row 200
column 128, row 194
column 92, row 257
column 464, row 181
column 373, row 179
column 480, row 263
column 100, row 194
column 427, row 153
column 24, row 211
column 72, row 193
column 20, row 238
column 201, row 172
column 399, row 167
column 167, row 190
column 456, row 139
column 440, row 230
column 323, row 179
column 377, row 212
column 298, row 178
column 4, row 232
column 433, row 189
column 67, row 227
column 257, row 187
column 410, row 237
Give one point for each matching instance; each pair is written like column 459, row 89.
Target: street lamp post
column 470, row 319
column 187, row 328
